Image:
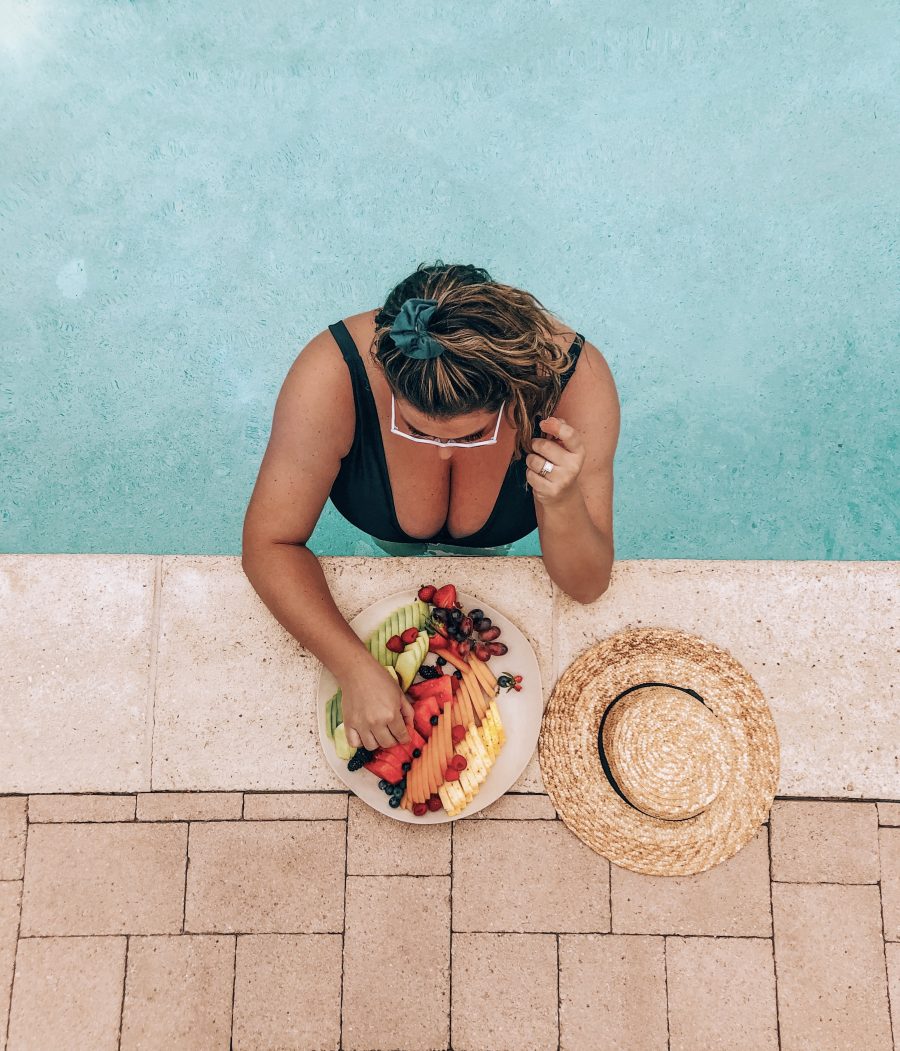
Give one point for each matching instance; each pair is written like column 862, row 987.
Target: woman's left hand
column 565, row 451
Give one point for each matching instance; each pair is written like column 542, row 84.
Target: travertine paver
column 178, row 992
column 730, row 898
column 505, row 995
column 287, row 991
column 10, row 902
column 12, row 836
column 614, row 985
column 815, row 842
column 829, row 954
column 526, row 876
column 379, row 846
column 80, row 807
column 889, row 814
column 721, row 994
column 266, row 877
column 889, row 843
column 112, row 878
column 67, row 994
column 189, row 806
column 397, row 963
column 678, row 963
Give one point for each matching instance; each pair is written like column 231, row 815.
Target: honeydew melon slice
column 341, row 745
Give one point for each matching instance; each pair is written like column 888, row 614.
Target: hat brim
column 580, row 790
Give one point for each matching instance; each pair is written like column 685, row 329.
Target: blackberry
column 428, row 671
column 354, row 763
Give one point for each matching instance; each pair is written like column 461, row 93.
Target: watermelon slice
column 443, row 691
column 389, row 771
column 424, row 688
column 422, row 723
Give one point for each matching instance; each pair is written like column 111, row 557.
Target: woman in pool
column 455, row 419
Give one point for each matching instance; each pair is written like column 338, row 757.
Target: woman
column 436, row 438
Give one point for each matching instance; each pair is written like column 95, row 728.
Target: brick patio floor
column 308, row 921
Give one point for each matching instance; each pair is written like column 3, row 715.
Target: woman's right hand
column 376, row 710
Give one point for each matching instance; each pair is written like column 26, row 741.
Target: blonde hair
column 498, row 346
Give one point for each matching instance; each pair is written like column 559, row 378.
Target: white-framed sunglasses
column 440, row 441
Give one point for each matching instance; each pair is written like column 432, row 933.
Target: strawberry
column 394, row 644
column 445, row 597
column 426, row 592
column 408, row 636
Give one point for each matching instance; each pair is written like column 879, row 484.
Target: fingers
column 398, row 728
column 406, row 709
column 384, row 737
column 369, row 740
column 353, row 738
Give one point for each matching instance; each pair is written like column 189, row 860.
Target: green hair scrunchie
column 410, row 329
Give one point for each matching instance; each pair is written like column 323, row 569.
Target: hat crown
column 669, row 753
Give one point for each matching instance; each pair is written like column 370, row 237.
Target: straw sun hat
column 658, row 750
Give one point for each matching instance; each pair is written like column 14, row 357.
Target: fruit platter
column 473, row 681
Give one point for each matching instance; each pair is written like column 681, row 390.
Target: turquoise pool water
column 189, row 194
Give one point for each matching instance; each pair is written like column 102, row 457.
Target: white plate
column 520, row 712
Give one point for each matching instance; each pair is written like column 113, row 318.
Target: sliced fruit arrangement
column 456, row 732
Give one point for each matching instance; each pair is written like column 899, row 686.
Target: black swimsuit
column 362, row 489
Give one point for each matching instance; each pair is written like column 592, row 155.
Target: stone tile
column 104, row 879
column 598, row 974
column 295, row 806
column 67, row 994
column 89, row 807
column 189, row 806
column 10, row 902
column 251, row 721
column 378, row 845
column 266, row 877
column 13, row 823
column 892, row 952
column 287, row 991
column 493, row 1008
column 407, row 1005
column 540, row 876
column 812, row 636
column 832, row 987
column 64, row 619
column 520, row 808
column 815, row 842
column 730, row 898
column 889, row 841
column 719, row 987
column 889, row 814
column 178, row 992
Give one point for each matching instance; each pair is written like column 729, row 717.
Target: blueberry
column 394, row 802
column 417, row 753
column 433, row 720
column 383, row 785
column 476, row 614
column 407, row 766
column 458, row 673
column 441, row 661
